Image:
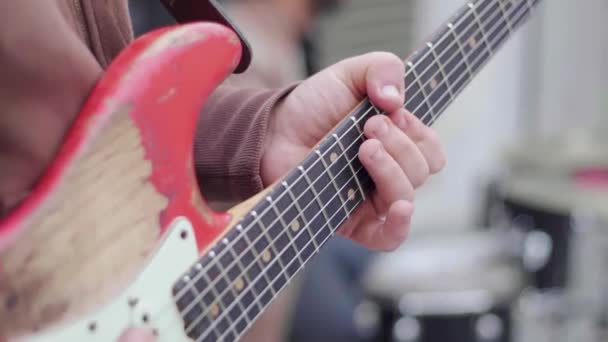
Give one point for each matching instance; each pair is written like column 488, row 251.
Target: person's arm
column 46, row 73
column 230, row 140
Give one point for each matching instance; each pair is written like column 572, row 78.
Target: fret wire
column 352, row 170
column 256, row 260
column 348, row 212
column 331, row 176
column 295, row 201
column 441, row 71
column 212, row 289
column 242, row 274
column 471, row 25
column 464, row 84
column 314, row 191
column 505, row 16
column 287, row 227
column 219, row 296
column 464, row 15
column 271, row 245
column 217, row 302
column 481, row 30
column 481, row 65
column 312, row 240
column 420, row 85
column 457, row 40
column 246, row 268
column 432, row 114
column 299, row 209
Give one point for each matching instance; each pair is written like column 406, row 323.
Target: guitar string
column 437, row 63
column 225, row 312
column 256, row 259
column 444, row 82
column 433, row 108
column 425, row 116
column 521, row 19
column 446, row 35
column 444, row 106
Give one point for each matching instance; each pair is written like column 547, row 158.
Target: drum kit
column 537, row 271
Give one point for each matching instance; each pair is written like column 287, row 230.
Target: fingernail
column 401, row 122
column 391, row 91
column 381, row 128
column 378, row 154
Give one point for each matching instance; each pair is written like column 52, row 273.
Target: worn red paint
column 163, row 83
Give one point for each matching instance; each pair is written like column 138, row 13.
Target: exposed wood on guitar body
column 88, row 239
column 94, row 220
column 240, row 210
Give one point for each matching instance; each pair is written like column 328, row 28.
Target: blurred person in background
column 279, row 32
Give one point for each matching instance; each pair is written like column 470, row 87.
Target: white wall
column 574, row 74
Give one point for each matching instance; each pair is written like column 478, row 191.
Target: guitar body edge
column 123, row 176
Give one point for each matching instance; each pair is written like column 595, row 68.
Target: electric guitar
column 121, row 198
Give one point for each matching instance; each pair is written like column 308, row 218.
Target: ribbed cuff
column 230, row 139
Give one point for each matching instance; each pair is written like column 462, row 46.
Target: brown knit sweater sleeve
column 230, row 140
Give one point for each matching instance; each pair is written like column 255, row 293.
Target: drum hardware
column 448, row 287
column 367, row 320
column 564, row 229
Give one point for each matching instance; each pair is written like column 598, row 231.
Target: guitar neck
column 444, row 66
column 232, row 284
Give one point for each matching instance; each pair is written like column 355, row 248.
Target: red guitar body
column 122, row 177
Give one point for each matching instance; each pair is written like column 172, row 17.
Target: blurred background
column 510, row 241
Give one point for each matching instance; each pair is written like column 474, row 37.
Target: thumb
column 379, row 75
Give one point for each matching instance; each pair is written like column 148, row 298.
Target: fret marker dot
column 433, row 83
column 214, row 311
column 295, row 226
column 472, row 42
column 239, row 284
column 351, row 194
column 333, row 157
column 266, row 256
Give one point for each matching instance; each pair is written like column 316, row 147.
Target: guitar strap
column 185, row 11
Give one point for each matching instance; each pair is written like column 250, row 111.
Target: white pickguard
column 151, row 290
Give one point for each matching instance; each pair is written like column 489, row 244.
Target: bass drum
column 566, row 230
column 456, row 286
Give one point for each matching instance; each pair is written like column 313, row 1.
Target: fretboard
column 225, row 292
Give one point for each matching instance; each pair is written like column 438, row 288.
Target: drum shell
column 474, row 289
